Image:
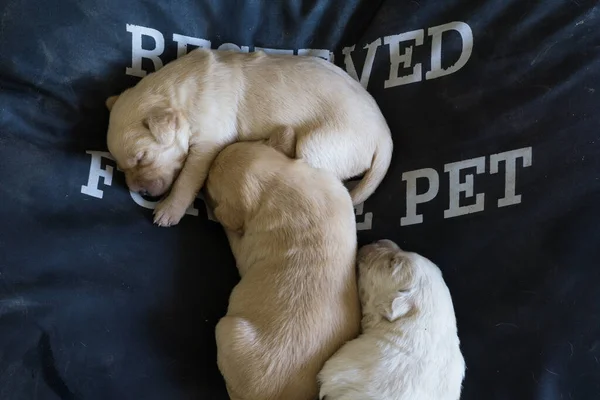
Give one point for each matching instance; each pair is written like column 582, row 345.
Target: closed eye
column 140, row 159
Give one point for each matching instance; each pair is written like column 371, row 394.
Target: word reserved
column 399, row 48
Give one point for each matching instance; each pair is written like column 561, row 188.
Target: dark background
column 97, row 303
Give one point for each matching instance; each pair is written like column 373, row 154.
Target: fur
column 165, row 131
column 292, row 232
column 409, row 347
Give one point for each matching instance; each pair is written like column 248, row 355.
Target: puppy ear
column 110, row 102
column 284, row 141
column 164, row 124
column 231, row 219
column 398, row 261
column 398, row 305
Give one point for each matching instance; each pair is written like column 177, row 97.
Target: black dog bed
column 495, row 110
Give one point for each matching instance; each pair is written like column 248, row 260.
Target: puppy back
column 300, row 296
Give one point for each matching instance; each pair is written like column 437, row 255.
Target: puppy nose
column 143, row 192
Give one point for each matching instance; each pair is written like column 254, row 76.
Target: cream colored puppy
column 292, row 231
column 409, row 348
column 165, row 131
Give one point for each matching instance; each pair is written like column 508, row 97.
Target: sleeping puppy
column 292, row 231
column 165, row 131
column 409, row 348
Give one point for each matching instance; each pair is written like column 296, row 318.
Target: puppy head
column 241, row 173
column 392, row 283
column 148, row 140
column 229, row 188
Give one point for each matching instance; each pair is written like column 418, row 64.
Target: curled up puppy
column 292, row 232
column 165, row 131
column 409, row 347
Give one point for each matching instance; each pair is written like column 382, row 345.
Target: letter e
column 456, row 187
column 436, row 48
column 405, row 59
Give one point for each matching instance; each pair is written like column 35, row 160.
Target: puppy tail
column 374, row 175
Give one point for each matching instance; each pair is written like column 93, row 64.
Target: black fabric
column 97, row 303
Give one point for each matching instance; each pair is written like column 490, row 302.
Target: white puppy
column 165, row 131
column 409, row 348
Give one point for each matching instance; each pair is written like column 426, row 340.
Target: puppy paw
column 168, row 213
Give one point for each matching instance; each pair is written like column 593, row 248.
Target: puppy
column 292, row 231
column 165, row 131
column 409, row 348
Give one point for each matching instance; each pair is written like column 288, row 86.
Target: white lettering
column 322, row 53
column 456, row 187
column 397, row 60
column 436, row 48
column 368, row 64
column 233, row 47
column 412, row 198
column 96, row 172
column 140, row 201
column 405, row 59
column 274, row 51
column 183, row 41
column 367, row 223
column 510, row 162
column 138, row 53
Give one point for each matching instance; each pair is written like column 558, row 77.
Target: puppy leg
column 232, row 396
column 234, row 336
column 187, row 185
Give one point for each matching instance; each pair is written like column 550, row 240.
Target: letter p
column 412, row 198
